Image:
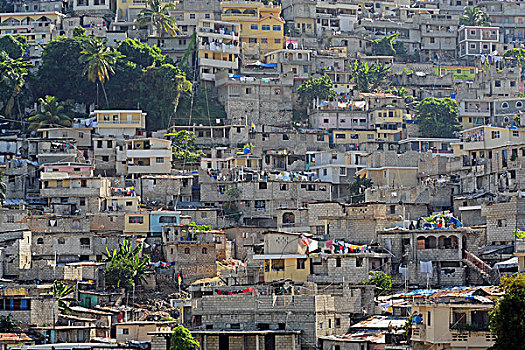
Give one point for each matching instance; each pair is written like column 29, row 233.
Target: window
column 254, row 27
column 359, row 262
column 495, row 134
column 340, row 136
column 276, row 27
column 301, row 264
column 264, row 41
column 207, row 16
column 263, row 185
column 125, row 331
column 342, row 171
column 136, row 220
column 248, row 91
column 502, row 223
column 277, row 41
column 252, row 40
column 82, row 201
column 519, row 104
column 429, row 318
column 265, row 27
column 497, row 83
column 40, row 241
column 159, row 160
column 432, row 40
column 338, row 322
column 320, row 137
column 85, row 242
column 61, row 240
column 337, row 262
column 504, row 105
column 192, row 16
column 260, row 204
column 204, row 250
column 370, row 136
column 515, row 133
column 186, row 250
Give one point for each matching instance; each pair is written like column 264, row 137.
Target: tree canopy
column 181, row 339
column 14, row 48
column 368, row 77
column 438, row 117
column 184, row 149
column 321, row 88
column 157, row 16
column 474, row 16
column 51, row 114
column 140, row 77
column 127, row 266
column 381, row 280
column 507, row 317
column 385, row 45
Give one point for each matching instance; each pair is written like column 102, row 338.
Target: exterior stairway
column 488, row 273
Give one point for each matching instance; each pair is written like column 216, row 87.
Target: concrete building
column 261, row 25
column 218, row 47
column 445, row 316
column 474, row 41
column 250, row 100
column 147, row 156
column 119, row 123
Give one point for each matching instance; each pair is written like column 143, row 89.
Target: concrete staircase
column 489, row 274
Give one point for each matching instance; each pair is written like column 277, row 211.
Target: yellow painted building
column 261, row 25
column 286, row 267
column 119, row 122
column 388, row 123
column 37, row 27
column 285, row 256
column 136, row 223
column 346, row 137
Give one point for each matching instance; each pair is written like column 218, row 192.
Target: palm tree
column 13, row 77
column 62, row 292
column 474, row 16
column 99, row 60
column 51, row 114
column 157, row 15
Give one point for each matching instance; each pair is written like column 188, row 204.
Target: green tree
column 62, row 292
column 126, row 266
column 51, row 114
column 61, row 71
column 14, row 48
column 99, row 61
column 204, row 110
column 368, row 78
column 357, row 188
column 516, row 54
column 8, row 324
column 438, row 117
column 142, row 54
column 79, row 31
column 184, row 149
column 316, row 88
column 507, row 317
column 181, row 339
column 385, row 46
column 381, row 280
column 474, row 16
column 157, row 15
column 160, row 90
column 13, row 75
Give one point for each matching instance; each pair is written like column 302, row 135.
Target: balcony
column 218, row 33
column 119, row 122
column 148, row 153
column 51, row 192
column 232, row 49
column 218, row 63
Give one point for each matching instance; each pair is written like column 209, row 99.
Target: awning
column 507, row 264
